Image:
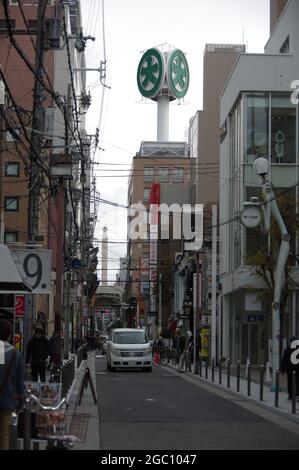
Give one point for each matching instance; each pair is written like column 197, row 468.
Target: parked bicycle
column 51, row 423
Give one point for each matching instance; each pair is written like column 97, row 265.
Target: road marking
column 150, row 399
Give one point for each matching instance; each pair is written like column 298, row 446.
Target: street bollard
column 238, row 376
column 213, row 369
column 249, row 380
column 200, row 366
column 294, row 393
column 73, row 369
column 207, row 365
column 63, row 381
column 276, row 388
column 27, row 425
column 262, row 382
column 228, row 373
column 220, row 371
column 13, row 444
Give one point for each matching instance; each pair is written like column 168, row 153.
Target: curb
column 222, row 388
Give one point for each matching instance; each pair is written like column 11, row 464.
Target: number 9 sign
column 34, row 267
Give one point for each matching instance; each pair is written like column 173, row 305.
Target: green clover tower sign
column 177, row 74
column 151, row 73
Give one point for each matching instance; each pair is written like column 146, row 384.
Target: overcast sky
column 131, row 27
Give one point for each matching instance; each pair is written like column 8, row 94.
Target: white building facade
column 258, row 118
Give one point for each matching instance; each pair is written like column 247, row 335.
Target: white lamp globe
column 261, row 166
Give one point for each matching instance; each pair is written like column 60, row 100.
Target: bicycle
column 51, row 422
column 163, row 356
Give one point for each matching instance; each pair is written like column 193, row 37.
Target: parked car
column 129, row 348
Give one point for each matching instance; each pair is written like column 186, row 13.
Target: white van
column 129, row 348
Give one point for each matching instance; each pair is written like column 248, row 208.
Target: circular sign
column 251, row 217
column 76, row 263
column 178, row 73
column 151, row 73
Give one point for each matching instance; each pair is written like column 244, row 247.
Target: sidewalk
column 284, row 405
column 87, row 407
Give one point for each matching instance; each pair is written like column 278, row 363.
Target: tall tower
column 163, row 76
column 104, row 256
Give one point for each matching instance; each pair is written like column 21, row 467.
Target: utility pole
column 214, row 284
column 160, row 303
column 68, row 119
column 34, row 169
column 2, row 140
column 37, row 125
column 196, row 317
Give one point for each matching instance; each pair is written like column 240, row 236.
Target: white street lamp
column 262, row 167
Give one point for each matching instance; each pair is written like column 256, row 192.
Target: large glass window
column 178, row 175
column 163, row 175
column 257, row 126
column 146, row 194
column 149, row 174
column 255, row 241
column 283, row 130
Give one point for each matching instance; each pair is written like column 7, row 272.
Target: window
column 11, row 203
column 12, row 169
column 149, row 174
column 285, row 48
column 255, row 241
column 10, row 237
column 146, row 194
column 283, row 129
column 257, row 114
column 163, row 175
column 178, row 175
column 3, row 24
column 32, row 25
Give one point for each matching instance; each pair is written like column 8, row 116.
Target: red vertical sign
column 19, row 305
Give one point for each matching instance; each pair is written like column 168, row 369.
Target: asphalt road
column 162, row 411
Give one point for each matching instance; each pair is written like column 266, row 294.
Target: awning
column 10, row 280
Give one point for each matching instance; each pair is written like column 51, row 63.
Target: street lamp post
column 262, row 167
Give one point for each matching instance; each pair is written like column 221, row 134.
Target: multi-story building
column 61, row 131
column 169, row 165
column 260, row 119
column 219, row 60
column 204, row 137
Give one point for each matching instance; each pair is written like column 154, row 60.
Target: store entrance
column 253, row 343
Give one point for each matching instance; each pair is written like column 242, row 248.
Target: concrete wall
column 276, row 9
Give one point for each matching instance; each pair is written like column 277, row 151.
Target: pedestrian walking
column 288, row 368
column 11, row 383
column 185, row 360
column 37, row 352
column 55, row 348
column 181, row 343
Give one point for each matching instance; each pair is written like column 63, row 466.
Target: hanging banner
column 154, row 225
column 205, row 342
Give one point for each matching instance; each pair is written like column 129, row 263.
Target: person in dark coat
column 37, row 352
column 288, row 368
column 12, row 391
column 55, row 348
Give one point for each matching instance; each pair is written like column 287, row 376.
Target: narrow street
column 163, row 411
